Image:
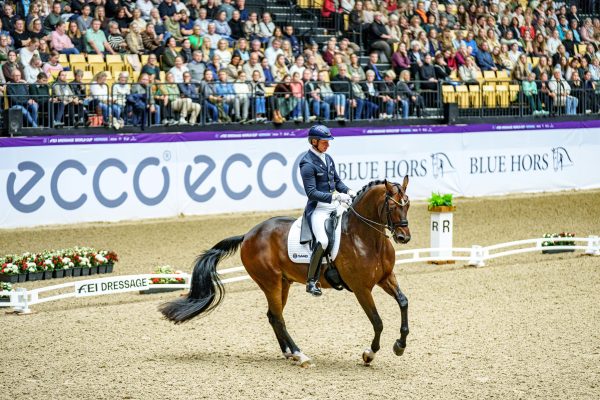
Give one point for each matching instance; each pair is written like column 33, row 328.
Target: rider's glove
column 351, row 193
column 342, row 198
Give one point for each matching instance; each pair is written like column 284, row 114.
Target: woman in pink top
column 61, row 41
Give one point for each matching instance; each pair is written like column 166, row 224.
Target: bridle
column 390, row 225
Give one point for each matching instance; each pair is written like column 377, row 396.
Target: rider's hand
column 351, row 193
column 342, row 198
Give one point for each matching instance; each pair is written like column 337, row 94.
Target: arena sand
column 521, row 328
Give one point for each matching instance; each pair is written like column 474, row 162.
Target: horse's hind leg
column 391, row 287
column 365, row 298
column 276, row 298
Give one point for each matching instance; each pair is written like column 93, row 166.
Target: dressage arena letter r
column 445, row 226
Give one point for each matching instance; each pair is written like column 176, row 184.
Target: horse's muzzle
column 401, row 238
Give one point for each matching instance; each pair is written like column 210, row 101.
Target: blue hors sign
column 111, row 285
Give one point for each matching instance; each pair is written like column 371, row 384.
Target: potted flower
column 9, row 272
column 156, row 282
column 440, row 203
column 5, row 287
column 47, row 267
column 549, row 243
column 111, row 259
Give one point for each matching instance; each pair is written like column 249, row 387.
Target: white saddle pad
column 300, row 253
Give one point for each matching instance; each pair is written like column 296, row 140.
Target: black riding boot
column 314, row 270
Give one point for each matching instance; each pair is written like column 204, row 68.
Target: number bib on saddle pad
column 300, row 253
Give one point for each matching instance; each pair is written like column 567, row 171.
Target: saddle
column 300, row 252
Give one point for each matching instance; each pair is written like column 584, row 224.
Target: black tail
column 206, row 291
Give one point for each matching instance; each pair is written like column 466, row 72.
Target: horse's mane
column 366, row 188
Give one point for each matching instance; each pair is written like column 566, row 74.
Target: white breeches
column 321, row 213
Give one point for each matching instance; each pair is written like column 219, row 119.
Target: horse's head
column 396, row 207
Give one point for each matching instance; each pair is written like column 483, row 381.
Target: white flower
column 66, row 260
column 84, row 261
column 100, row 258
column 71, row 265
column 48, row 262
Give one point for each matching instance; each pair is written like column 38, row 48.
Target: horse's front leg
column 365, row 298
column 391, row 287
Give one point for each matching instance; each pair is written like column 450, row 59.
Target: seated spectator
column 20, row 36
column 120, row 91
column 151, row 67
column 115, row 38
column 54, row 18
column 134, row 41
column 241, row 48
column 196, row 67
column 560, row 92
column 61, row 41
column 173, row 102
column 266, row 70
column 258, row 89
column 96, row 41
column 279, row 69
column 138, row 19
column 243, row 91
column 190, row 91
column 26, row 53
column 100, row 98
column 252, row 65
column 223, row 52
column 79, row 90
column 380, row 37
column 371, row 89
column 272, row 53
column 19, row 97
column 214, row 65
column 152, row 42
column 234, row 68
column 484, row 58
column 410, row 99
column 359, row 101
column 372, row 66
column 469, row 72
column 61, row 90
column 76, row 37
column 428, row 74
column 169, row 55
column 48, row 106
column 186, row 51
column 252, row 27
column 229, row 100
column 266, row 28
column 212, row 35
column 222, row 27
column 44, row 51
column 84, row 20
column 185, row 24
column 236, row 26
column 285, row 102
column 522, row 69
column 33, row 70
column 578, row 92
column 298, row 66
column 400, row 60
column 178, row 70
column 173, row 28
column 355, row 68
column 213, row 103
column 337, row 100
column 52, row 67
column 122, row 19
column 10, row 65
column 142, row 103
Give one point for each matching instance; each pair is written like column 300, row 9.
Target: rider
column 323, row 186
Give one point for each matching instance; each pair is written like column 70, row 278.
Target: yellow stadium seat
column 489, row 76
column 144, row 59
column 502, row 76
column 513, row 91
column 88, row 76
column 269, row 91
column 475, row 96
column 78, row 61
column 535, row 61
column 96, row 63
column 69, row 76
column 582, row 48
column 462, row 96
column 162, row 75
column 479, row 77
column 489, row 96
column 62, row 59
column 115, row 64
column 503, row 96
column 448, row 94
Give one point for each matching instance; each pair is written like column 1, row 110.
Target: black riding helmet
column 319, row 132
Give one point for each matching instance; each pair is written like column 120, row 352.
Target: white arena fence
column 21, row 299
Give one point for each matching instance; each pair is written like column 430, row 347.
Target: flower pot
column 35, row 276
column 442, row 209
column 77, row 271
column 9, row 278
column 155, row 288
column 22, row 278
column 109, row 268
column 58, row 273
column 68, row 272
column 85, row 271
column 555, row 251
column 102, row 269
column 4, row 299
column 94, row 270
column 47, row 275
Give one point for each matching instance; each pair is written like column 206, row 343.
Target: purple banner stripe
column 284, row 133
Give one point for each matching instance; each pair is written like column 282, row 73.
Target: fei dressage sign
column 73, row 179
column 111, row 285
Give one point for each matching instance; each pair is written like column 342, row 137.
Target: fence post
column 593, row 247
column 476, row 257
column 21, row 303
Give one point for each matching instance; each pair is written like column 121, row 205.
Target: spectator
column 236, row 26
column 96, row 41
column 243, row 91
column 152, row 42
column 223, row 52
column 294, row 41
column 134, row 42
column 48, row 106
column 212, row 35
column 337, row 100
column 241, row 49
column 189, row 90
column 142, row 103
column 178, row 70
column 169, row 55
column 52, row 67
column 252, row 27
column 196, row 67
column 400, row 59
column 19, row 98
column 76, row 37
column 228, row 8
column 11, row 65
column 410, row 99
column 234, row 68
column 173, row 27
column 372, row 66
column 61, row 89
column 359, row 101
column 230, row 101
column 151, row 68
column 173, row 102
column 120, row 91
column 380, row 37
column 222, row 27
column 273, row 52
column 285, row 102
column 266, row 28
column 100, row 98
column 61, row 41
column 484, row 58
column 53, row 19
column 4, row 48
column 279, row 69
column 258, row 89
column 355, row 68
column 84, row 21
column 167, row 9
column 252, row 66
column 469, row 72
column 560, row 91
column 138, row 19
column 33, row 70
column 522, row 69
column 115, row 39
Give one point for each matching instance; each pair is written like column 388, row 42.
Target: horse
column 366, row 258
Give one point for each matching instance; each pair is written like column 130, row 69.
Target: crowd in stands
column 182, row 62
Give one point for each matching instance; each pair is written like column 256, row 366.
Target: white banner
column 73, row 183
column 117, row 284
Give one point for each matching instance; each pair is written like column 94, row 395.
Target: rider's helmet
column 320, row 132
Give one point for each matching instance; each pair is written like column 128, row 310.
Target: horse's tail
column 206, row 291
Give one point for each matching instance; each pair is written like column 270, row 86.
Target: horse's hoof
column 302, row 360
column 288, row 353
column 368, row 356
column 398, row 349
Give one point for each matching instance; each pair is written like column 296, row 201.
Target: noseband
column 391, row 225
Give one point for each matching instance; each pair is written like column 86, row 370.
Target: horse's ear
column 388, row 187
column 405, row 183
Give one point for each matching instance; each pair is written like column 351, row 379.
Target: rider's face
column 322, row 145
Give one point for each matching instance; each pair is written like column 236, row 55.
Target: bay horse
column 366, row 258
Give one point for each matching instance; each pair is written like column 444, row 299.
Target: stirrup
column 312, row 288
